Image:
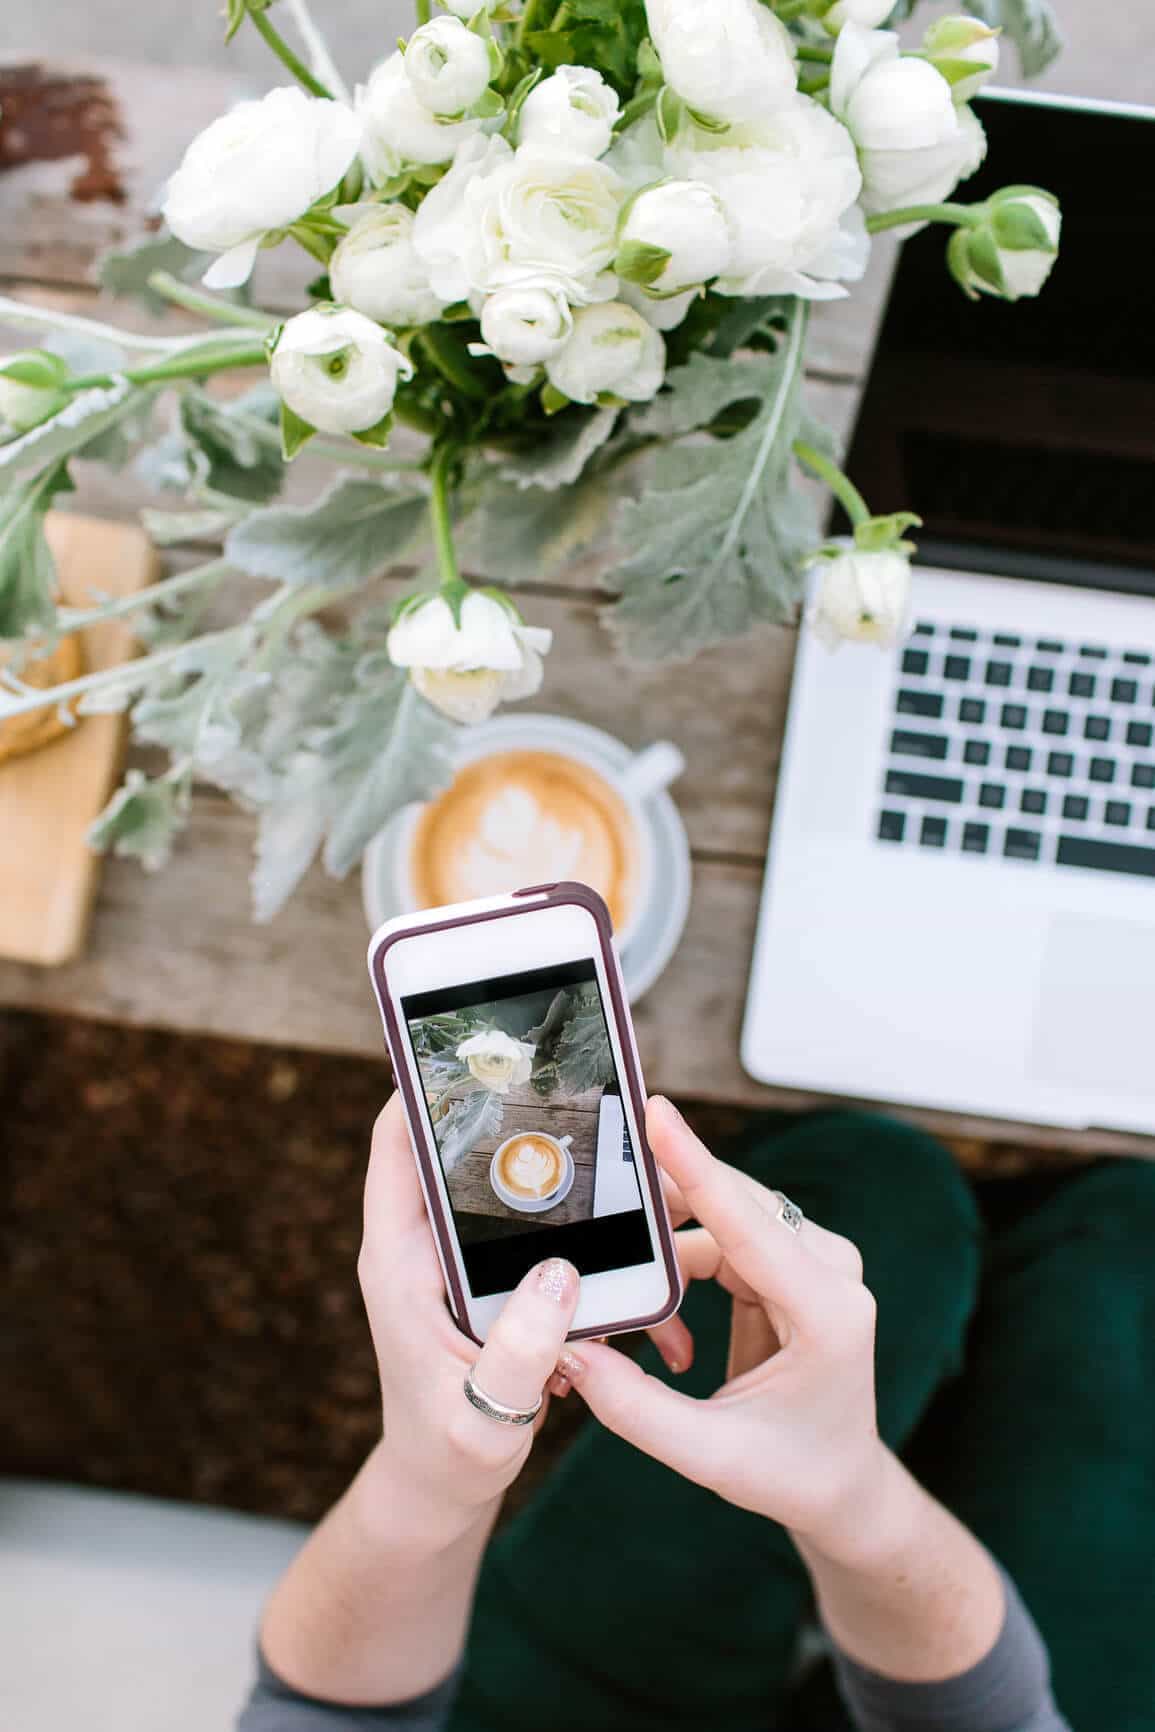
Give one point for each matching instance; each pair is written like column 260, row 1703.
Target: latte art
column 531, row 1166
column 522, row 817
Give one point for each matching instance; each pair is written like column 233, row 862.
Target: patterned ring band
column 789, row 1213
column 497, row 1409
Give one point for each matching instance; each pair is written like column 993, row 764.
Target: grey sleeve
column 274, row 1707
column 1008, row 1691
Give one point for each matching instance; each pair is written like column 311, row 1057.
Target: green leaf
column 582, row 1052
column 553, row 401
column 1031, row 25
column 236, row 461
column 376, row 436
column 27, row 568
column 476, row 1119
column 141, row 820
column 641, row 262
column 295, row 433
column 126, row 270
column 714, row 542
column 206, row 523
column 35, row 367
column 358, row 527
column 85, row 418
column 1018, row 228
column 519, row 534
column 558, row 456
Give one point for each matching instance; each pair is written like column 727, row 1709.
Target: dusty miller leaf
column 582, row 1053
column 559, row 458
column 27, row 568
column 88, row 416
column 467, row 1123
column 126, row 270
column 237, row 462
column 1031, row 26
column 356, row 528
column 519, row 534
column 713, row 543
column 140, row 821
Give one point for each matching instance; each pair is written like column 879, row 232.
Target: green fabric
column 625, row 1599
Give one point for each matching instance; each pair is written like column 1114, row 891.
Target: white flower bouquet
column 565, row 251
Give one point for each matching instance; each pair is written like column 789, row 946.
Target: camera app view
column 521, row 1088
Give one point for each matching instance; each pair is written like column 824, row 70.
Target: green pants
column 1016, row 1373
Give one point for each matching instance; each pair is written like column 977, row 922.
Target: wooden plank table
column 178, row 949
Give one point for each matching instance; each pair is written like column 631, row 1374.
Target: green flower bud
column 965, row 51
column 1010, row 252
column 30, row 388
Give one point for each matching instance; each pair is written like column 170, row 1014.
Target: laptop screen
column 1024, row 433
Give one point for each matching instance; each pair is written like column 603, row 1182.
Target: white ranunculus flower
column 465, row 667
column 954, row 43
column 259, row 167
column 729, row 60
column 663, row 312
column 862, row 597
column 789, row 186
column 500, row 218
column 614, row 352
column 685, row 219
column 397, row 129
column 868, row 13
column 337, row 369
column 376, row 270
column 497, row 1060
column 1013, row 253
column 572, row 111
column 914, row 144
column 527, row 323
column 447, row 66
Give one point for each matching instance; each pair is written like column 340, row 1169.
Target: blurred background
column 1110, row 49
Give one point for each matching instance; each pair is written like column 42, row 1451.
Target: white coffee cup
column 647, row 773
column 533, row 1205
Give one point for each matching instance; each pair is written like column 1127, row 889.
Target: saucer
column 523, row 1206
column 662, row 922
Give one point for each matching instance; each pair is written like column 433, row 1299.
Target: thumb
column 671, row 1427
column 525, row 1339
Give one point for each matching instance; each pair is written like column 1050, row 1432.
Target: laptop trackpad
column 1094, row 1017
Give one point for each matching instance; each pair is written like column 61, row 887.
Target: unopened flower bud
column 965, row 51
column 1010, row 253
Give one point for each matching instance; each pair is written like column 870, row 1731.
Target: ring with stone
column 789, row 1213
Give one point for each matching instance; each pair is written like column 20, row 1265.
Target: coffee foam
column 525, row 817
column 531, row 1167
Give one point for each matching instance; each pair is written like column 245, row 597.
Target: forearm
column 374, row 1608
column 903, row 1588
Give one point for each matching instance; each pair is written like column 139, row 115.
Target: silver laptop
column 959, row 905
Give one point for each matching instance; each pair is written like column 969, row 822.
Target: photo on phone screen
column 525, row 1103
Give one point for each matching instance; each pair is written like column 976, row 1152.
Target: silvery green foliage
column 469, row 1121
column 713, row 542
column 358, row 527
column 87, row 417
column 126, row 271
column 27, row 568
column 142, row 819
column 573, row 1046
column 1030, row 24
column 221, row 451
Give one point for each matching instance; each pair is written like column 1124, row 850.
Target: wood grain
column 49, row 797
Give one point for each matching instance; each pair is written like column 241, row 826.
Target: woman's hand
column 792, row 1432
column 436, row 1444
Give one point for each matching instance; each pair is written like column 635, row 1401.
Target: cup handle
column 650, row 771
column 565, row 1143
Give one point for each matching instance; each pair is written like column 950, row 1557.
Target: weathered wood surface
column 178, row 949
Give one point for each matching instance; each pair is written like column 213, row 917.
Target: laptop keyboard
column 1014, row 747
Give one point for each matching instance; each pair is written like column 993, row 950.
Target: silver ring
column 497, row 1409
column 789, row 1213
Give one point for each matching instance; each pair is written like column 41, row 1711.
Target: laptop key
column 956, row 668
column 992, row 796
column 924, row 629
column 1097, row 728
column 1139, row 733
column 907, row 744
column 1018, row 758
column 964, row 634
column 929, row 704
column 1106, row 856
column 976, row 752
column 1124, row 691
column 1102, row 770
column 1060, row 764
column 933, row 833
column 1013, row 716
column 1022, row 844
column 1118, row 813
column 1049, row 646
column 1093, row 653
column 948, row 789
column 972, row 710
column 1137, row 658
column 1143, row 776
column 891, row 826
column 1006, row 640
column 1081, row 685
column 999, row 673
column 1151, row 818
column 975, row 838
column 1056, row 722
column 915, row 661
column 1040, row 679
column 1034, row 801
column 1076, row 806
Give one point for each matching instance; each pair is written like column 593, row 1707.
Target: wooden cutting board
column 49, row 797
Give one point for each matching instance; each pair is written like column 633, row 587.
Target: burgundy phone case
column 551, row 895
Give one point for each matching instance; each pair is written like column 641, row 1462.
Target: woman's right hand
column 792, row 1432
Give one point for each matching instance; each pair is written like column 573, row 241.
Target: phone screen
column 526, row 1107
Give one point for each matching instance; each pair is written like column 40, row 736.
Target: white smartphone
column 511, row 1041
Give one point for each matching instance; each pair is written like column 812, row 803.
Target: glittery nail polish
column 553, row 1280
column 570, row 1366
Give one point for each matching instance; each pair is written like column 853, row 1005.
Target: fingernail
column 673, row 1363
column 559, row 1385
column 571, row 1367
column 555, row 1279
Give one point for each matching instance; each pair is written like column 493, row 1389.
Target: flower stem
column 839, row 484
column 318, row 246
column 18, row 699
column 320, row 59
column 210, row 306
column 958, row 215
column 814, row 51
column 525, row 22
column 442, row 519
column 451, row 363
column 73, row 618
column 192, row 365
column 286, row 56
